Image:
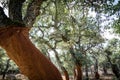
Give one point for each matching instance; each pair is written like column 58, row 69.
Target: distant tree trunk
column 92, row 70
column 86, row 72
column 60, row 65
column 65, row 73
column 31, row 61
column 97, row 76
column 105, row 69
column 115, row 68
column 78, row 72
column 78, row 66
column 6, row 69
column 0, row 69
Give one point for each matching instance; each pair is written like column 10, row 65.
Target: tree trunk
column 66, row 74
column 105, row 69
column 78, row 72
column 31, row 61
column 116, row 71
column 78, row 66
column 86, row 72
column 61, row 66
column 97, row 76
column 114, row 67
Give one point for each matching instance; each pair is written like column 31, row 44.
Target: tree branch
column 32, row 12
column 41, row 31
column 6, row 22
column 15, row 10
column 76, row 61
column 89, row 47
column 56, row 55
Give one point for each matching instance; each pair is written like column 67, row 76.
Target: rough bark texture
column 15, row 40
column 15, row 12
column 31, row 61
column 33, row 10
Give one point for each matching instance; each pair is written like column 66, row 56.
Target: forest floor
column 91, row 76
column 104, row 77
column 108, row 76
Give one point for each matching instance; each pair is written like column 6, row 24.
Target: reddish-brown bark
column 97, row 76
column 31, row 61
column 78, row 72
column 66, row 75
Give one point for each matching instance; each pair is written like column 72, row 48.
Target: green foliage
column 66, row 23
column 63, row 24
column 116, row 26
column 3, row 60
column 112, row 50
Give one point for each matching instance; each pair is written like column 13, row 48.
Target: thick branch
column 56, row 53
column 5, row 21
column 15, row 10
column 89, row 47
column 32, row 12
column 58, row 61
column 74, row 57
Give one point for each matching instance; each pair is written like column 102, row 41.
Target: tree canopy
column 67, row 31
